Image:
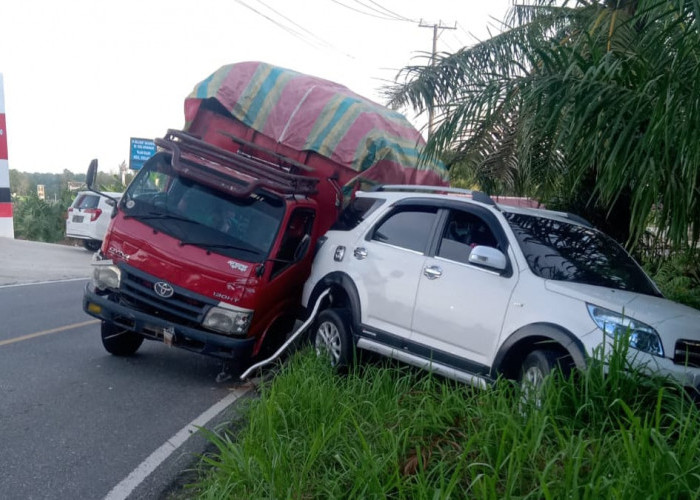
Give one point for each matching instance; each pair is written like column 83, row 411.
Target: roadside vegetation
column 44, row 220
column 389, row 431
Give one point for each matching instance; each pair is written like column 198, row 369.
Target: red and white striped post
column 6, row 225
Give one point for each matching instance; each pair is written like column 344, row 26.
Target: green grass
column 388, row 431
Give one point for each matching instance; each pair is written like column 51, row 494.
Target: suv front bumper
column 155, row 328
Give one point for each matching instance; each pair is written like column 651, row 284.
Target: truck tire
column 92, row 245
column 120, row 341
column 332, row 337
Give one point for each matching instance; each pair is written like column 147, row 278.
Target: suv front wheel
column 332, row 337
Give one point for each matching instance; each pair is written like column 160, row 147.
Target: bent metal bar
column 6, row 226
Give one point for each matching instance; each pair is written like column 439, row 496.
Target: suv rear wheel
column 120, row 341
column 332, row 337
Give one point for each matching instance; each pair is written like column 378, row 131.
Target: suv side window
column 296, row 239
column 408, row 228
column 463, row 231
column 357, row 211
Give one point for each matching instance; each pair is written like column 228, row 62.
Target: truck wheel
column 332, row 337
column 92, row 245
column 535, row 368
column 120, row 341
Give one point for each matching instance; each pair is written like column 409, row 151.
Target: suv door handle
column 360, row 253
column 432, row 272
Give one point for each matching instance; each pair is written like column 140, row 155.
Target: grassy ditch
column 388, row 431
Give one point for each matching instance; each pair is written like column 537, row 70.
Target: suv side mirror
column 489, row 257
column 91, row 175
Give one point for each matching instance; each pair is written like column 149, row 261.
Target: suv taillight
column 94, row 213
column 70, row 209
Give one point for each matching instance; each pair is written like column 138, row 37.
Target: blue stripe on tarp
column 203, row 87
column 340, row 111
column 262, row 94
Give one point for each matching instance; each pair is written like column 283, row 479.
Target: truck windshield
column 243, row 228
column 561, row 251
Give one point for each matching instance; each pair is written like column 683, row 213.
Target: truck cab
column 209, row 259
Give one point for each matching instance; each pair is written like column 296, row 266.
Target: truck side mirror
column 91, row 175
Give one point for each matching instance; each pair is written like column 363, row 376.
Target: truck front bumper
column 155, row 328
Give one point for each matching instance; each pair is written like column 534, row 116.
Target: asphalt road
column 74, row 420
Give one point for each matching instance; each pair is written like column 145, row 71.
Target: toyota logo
column 163, row 289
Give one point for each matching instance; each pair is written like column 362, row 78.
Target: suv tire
column 332, row 337
column 535, row 368
column 120, row 341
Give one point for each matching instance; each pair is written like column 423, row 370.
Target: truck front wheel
column 120, row 341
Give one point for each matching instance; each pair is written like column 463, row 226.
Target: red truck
column 209, row 247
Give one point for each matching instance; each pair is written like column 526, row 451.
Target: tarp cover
column 309, row 113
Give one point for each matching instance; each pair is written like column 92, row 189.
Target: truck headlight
column 104, row 277
column 641, row 336
column 228, row 321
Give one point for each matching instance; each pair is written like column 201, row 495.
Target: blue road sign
column 140, row 151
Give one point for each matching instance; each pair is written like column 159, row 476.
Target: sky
column 81, row 77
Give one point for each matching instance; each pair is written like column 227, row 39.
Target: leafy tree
column 585, row 104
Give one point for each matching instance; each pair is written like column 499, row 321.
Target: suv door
column 459, row 306
column 388, row 263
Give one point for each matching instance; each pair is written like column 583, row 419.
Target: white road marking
column 44, row 282
column 140, row 473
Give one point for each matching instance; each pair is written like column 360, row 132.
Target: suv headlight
column 228, row 321
column 641, row 336
column 104, row 277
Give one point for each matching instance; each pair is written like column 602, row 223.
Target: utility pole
column 436, row 27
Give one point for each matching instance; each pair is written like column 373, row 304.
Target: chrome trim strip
column 423, row 363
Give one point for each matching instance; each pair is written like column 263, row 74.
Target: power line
column 363, row 12
column 276, row 23
column 398, row 16
column 324, row 42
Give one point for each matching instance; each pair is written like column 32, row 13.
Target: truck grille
column 183, row 307
column 687, row 353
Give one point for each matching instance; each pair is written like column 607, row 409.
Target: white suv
column 89, row 216
column 472, row 289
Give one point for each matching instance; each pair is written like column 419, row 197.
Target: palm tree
column 590, row 102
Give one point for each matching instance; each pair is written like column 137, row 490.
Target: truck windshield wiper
column 206, row 245
column 158, row 215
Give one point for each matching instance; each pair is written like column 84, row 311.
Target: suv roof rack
column 476, row 195
column 193, row 157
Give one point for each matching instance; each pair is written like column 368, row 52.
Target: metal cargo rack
column 217, row 167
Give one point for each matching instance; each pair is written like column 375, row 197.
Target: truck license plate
column 77, row 218
column 168, row 335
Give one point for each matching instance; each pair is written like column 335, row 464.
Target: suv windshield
column 568, row 252
column 195, row 214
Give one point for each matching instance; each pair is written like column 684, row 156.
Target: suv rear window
column 358, row 210
column 87, row 201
